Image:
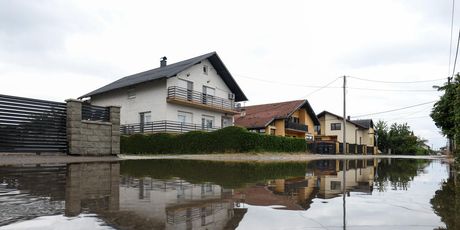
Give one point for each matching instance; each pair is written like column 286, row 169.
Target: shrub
column 230, row 139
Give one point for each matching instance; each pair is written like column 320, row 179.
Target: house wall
column 352, row 132
column 195, row 74
column 150, row 96
column 279, row 124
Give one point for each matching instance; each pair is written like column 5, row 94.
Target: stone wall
column 92, row 138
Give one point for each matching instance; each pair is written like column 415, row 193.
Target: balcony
column 295, row 126
column 183, row 96
column 164, row 127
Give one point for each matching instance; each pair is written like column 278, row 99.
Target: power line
column 392, row 110
column 284, row 83
column 396, row 82
column 451, row 33
column 322, row 87
column 456, row 54
column 334, row 87
column 394, row 90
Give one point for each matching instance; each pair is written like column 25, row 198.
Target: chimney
column 163, row 61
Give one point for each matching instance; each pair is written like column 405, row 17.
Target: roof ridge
column 281, row 102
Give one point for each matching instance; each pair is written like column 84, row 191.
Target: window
column 335, row 185
column 145, row 117
column 261, row 130
column 336, row 126
column 205, row 69
column 295, row 120
column 226, row 122
column 131, row 94
column 208, row 95
column 207, row 122
column 187, row 85
column 184, row 117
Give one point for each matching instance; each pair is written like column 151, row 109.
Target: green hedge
column 230, row 139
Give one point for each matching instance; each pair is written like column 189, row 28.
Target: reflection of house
column 325, row 180
column 177, row 203
column 194, row 94
column 290, row 118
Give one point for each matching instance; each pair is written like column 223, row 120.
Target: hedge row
column 226, row 140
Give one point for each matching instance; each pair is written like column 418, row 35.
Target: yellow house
column 290, row 118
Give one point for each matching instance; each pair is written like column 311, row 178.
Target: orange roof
column 259, row 116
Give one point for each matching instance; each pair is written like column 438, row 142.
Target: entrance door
column 188, row 86
column 208, row 95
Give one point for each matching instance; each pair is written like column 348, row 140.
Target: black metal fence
column 183, row 94
column 164, row 127
column 94, row 113
column 31, row 125
column 322, row 147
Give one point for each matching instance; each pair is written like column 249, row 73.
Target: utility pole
column 344, row 115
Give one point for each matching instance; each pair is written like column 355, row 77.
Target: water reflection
column 446, row 201
column 181, row 194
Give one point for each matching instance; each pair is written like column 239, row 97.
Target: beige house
column 358, row 132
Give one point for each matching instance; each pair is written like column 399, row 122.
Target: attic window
column 131, row 94
column 205, row 69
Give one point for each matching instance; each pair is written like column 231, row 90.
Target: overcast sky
column 276, row 50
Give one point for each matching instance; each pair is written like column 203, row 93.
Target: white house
column 194, row 94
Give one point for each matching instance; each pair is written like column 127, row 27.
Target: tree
column 399, row 138
column 381, row 128
column 446, row 111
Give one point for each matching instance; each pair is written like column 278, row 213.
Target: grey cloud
column 33, row 34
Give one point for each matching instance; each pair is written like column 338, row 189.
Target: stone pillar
column 115, row 120
column 74, row 124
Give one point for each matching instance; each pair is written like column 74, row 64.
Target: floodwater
column 185, row 194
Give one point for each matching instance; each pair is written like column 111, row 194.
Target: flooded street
column 187, row 194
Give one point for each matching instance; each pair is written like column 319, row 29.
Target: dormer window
column 205, row 69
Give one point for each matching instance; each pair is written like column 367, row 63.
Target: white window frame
column 205, row 119
column 185, row 115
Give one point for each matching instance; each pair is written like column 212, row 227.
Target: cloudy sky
column 276, row 50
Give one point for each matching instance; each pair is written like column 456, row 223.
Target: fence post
column 74, row 125
column 115, row 120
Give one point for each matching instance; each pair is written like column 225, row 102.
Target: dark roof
column 341, row 118
column 368, row 123
column 171, row 71
column 259, row 116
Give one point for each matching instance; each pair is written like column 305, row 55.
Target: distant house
column 358, row 132
column 194, row 94
column 290, row 118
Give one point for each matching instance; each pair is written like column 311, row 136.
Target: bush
column 231, row 139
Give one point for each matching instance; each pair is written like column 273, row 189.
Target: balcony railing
column 200, row 99
column 296, row 126
column 164, row 127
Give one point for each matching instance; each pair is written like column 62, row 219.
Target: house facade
column 195, row 94
column 358, row 132
column 290, row 118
